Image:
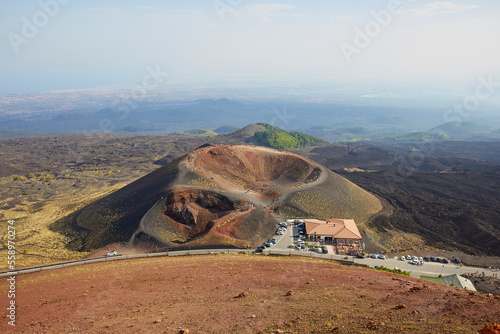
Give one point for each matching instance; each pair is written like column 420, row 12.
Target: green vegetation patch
column 395, row 271
column 281, row 139
column 417, row 136
column 31, row 176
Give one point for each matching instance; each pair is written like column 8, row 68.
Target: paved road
column 427, row 269
column 284, row 241
column 282, row 248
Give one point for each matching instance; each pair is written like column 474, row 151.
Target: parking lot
column 283, row 243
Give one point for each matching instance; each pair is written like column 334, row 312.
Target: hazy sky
column 91, row 43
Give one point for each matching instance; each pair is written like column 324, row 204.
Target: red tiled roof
column 337, row 228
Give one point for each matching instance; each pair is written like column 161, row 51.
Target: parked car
column 373, row 256
column 414, row 262
column 433, row 259
column 112, row 253
column 380, row 256
column 260, row 249
column 283, row 224
column 360, row 256
column 325, row 250
column 445, row 260
column 408, row 257
column 426, row 259
column 457, row 260
column 415, row 258
column 438, row 259
column 421, row 259
column 402, row 258
column 273, row 241
column 268, row 244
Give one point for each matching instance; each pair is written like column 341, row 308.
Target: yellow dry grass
column 35, row 243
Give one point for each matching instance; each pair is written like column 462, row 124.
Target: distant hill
column 225, row 129
column 461, row 127
column 342, row 130
column 416, row 136
column 196, row 132
column 247, row 131
column 220, row 102
column 275, row 137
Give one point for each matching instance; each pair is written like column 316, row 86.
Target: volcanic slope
column 217, row 196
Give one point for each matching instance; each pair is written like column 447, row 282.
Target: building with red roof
column 341, row 232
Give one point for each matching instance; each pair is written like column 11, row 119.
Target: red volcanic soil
column 240, row 294
column 200, row 217
column 250, row 167
column 269, row 195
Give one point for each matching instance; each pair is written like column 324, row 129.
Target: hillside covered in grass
column 278, row 138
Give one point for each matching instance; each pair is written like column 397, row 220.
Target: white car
column 402, row 258
column 112, row 253
column 408, row 257
column 421, row 259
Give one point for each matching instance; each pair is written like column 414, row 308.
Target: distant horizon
column 446, row 84
column 54, row 45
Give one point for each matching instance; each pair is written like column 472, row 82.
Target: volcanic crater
column 252, row 169
column 230, row 195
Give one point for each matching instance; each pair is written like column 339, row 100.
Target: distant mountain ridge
column 461, row 127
